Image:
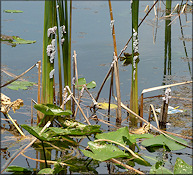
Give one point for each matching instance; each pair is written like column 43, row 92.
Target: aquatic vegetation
column 66, row 143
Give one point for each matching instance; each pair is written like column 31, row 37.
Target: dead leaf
column 142, row 130
column 6, row 104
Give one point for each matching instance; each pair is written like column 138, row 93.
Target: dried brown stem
column 17, row 77
column 116, row 67
column 126, row 166
column 78, row 105
column 110, row 69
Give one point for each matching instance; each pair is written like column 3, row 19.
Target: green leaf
column 105, row 106
column 91, row 85
column 82, row 81
column 142, row 162
column 76, row 129
column 141, row 136
column 121, row 136
column 34, row 131
column 51, row 109
column 181, row 167
column 46, row 171
column 13, row 11
column 159, row 170
column 16, row 85
column 103, row 152
column 19, row 40
column 161, row 140
column 14, row 168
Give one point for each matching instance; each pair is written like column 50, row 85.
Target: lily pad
column 76, row 129
column 103, row 152
column 82, row 81
column 16, row 85
column 13, row 11
column 105, row 106
column 161, row 140
column 181, row 167
column 50, row 109
column 19, row 40
column 121, row 136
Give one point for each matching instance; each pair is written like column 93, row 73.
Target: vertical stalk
column 167, row 51
column 47, row 66
column 48, row 54
column 116, row 68
column 66, row 46
column 39, row 89
column 44, row 154
column 134, row 81
column 59, row 64
column 110, row 93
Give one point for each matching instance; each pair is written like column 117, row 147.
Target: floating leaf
column 14, row 168
column 19, row 40
column 161, row 140
column 103, row 152
column 46, row 171
column 76, row 129
column 141, row 136
column 181, row 167
column 159, row 170
column 121, row 135
column 13, row 11
column 51, row 109
column 82, row 81
column 106, row 106
column 16, row 85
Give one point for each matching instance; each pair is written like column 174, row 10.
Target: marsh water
column 92, row 40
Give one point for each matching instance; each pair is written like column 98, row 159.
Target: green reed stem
column 135, row 42
column 66, row 45
column 47, row 66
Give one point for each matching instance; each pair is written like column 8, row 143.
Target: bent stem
column 125, row 47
